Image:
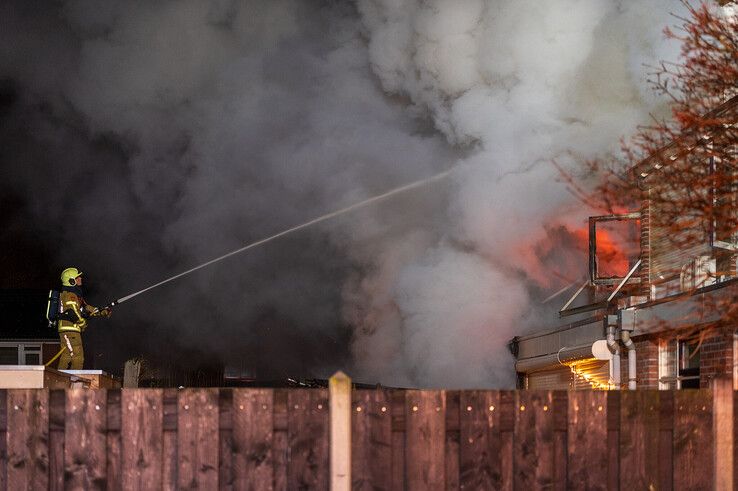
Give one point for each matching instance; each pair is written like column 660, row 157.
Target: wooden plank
column 613, row 440
column 57, row 404
column 722, row 428
column 28, row 437
column 141, row 438
column 561, row 444
column 197, row 438
column 85, row 437
column 398, row 439
column 507, row 430
column 479, row 455
column 280, row 443
column 113, row 439
column 371, row 445
column 252, row 439
column 225, row 450
column 425, row 438
column 693, row 442
column 587, row 440
column 169, row 439
column 639, row 434
column 3, row 439
column 666, row 440
column 534, row 449
column 339, row 431
column 307, row 436
column 452, row 439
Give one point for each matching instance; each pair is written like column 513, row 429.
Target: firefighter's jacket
column 73, row 301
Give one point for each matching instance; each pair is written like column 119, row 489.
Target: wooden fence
column 279, row 439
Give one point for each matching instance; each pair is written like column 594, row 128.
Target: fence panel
column 85, row 439
column 534, row 445
column 480, row 460
column 371, row 440
column 253, row 430
column 587, row 442
column 278, row 439
column 28, row 438
column 639, row 436
column 197, row 438
column 141, row 439
column 425, row 440
column 693, row 440
column 307, row 435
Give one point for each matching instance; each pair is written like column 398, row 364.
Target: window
column 8, row 355
column 614, row 247
column 689, row 364
column 20, row 354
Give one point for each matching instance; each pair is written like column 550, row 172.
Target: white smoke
column 524, row 82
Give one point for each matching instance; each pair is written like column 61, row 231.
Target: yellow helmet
column 68, row 276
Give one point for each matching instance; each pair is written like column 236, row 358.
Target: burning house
column 661, row 316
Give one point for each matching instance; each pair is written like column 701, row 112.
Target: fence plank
column 398, row 439
column 307, row 436
column 666, row 440
column 57, row 403
column 280, row 443
column 561, row 444
column 507, row 430
column 534, row 450
column 452, row 439
column 425, row 438
column 587, row 440
column 141, row 438
column 693, row 442
column 169, row 439
column 28, row 438
column 639, row 434
column 3, row 440
column 226, row 448
column 197, row 438
column 114, row 445
column 371, row 442
column 85, row 437
column 613, row 440
column 253, row 429
column 722, row 431
column 480, row 462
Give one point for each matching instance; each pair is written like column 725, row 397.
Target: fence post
column 722, row 425
column 339, row 388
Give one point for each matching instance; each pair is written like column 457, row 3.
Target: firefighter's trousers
column 73, row 356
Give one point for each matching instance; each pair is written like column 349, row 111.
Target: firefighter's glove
column 106, row 312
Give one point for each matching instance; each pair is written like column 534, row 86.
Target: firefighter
column 73, row 320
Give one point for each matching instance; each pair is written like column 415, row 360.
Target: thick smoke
column 147, row 137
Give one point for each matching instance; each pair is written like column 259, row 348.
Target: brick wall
column 716, row 356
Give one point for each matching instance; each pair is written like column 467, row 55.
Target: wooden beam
column 339, row 390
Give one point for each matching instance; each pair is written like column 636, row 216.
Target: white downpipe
column 614, row 348
column 630, row 346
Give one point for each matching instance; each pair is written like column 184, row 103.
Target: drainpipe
column 614, row 347
column 625, row 337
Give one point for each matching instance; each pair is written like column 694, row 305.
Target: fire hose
column 327, row 216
